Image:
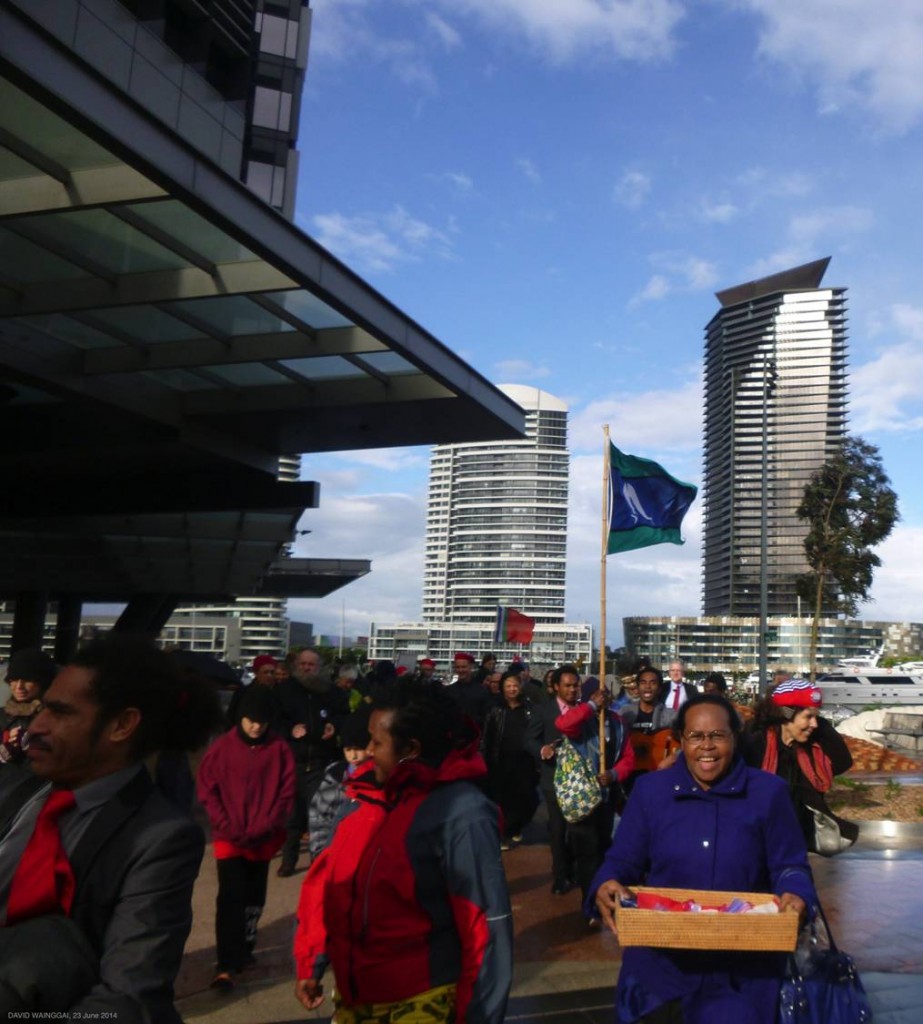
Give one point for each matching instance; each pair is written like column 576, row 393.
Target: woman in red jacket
column 409, row 902
column 246, row 784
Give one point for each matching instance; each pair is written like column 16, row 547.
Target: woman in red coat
column 246, row 784
column 409, row 902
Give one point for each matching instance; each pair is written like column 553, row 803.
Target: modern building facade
column 166, row 334
column 729, row 643
column 496, row 527
column 775, row 408
column 406, row 642
column 496, row 534
column 262, row 623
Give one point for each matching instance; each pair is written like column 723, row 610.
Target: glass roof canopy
column 138, row 289
column 164, row 337
column 137, row 282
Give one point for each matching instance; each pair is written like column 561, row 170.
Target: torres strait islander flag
column 513, row 627
column 646, row 504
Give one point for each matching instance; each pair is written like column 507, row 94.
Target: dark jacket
column 473, row 698
column 411, row 894
column 134, row 867
column 494, row 728
column 541, row 732
column 293, row 705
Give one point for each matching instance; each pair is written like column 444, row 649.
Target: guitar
column 652, row 747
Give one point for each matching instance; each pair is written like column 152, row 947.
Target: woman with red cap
column 789, row 738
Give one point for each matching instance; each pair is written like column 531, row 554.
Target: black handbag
column 822, row 985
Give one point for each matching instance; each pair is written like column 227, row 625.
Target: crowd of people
column 405, row 789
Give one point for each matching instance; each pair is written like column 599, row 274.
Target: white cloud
column 449, row 36
column 643, row 422
column 887, row 393
column 628, row 29
column 717, row 212
column 519, row 370
column 460, row 182
column 676, row 272
column 529, row 169
column 632, row 189
column 764, row 182
column 379, row 242
column 858, row 55
column 657, row 288
column 823, row 228
column 897, row 590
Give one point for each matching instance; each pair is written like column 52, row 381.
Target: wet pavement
column 564, row 972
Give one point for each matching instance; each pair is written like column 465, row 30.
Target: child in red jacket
column 246, row 784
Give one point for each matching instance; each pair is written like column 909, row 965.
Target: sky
column 556, row 189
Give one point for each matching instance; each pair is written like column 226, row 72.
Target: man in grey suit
column 111, row 940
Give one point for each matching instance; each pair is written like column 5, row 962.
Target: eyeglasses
column 718, row 736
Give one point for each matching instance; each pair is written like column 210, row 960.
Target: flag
column 646, row 504
column 513, row 627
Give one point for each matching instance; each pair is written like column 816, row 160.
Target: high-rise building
column 775, row 409
column 496, row 529
column 496, row 534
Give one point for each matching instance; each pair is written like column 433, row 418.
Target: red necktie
column 676, row 698
column 43, row 882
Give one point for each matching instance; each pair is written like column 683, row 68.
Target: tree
column 849, row 507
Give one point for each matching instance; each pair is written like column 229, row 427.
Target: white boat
column 861, row 662
column 857, row 688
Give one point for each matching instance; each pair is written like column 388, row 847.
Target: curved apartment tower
column 496, row 527
column 775, row 389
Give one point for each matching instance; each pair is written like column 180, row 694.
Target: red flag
column 513, row 627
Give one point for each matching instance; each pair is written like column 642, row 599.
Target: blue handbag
column 822, row 985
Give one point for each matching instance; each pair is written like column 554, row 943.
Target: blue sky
column 556, row 189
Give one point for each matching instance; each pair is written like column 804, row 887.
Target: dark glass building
column 775, row 392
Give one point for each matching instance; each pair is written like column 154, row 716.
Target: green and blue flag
column 646, row 504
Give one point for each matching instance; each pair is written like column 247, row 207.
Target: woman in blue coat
column 709, row 822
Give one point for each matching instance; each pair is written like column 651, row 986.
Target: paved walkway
column 565, row 974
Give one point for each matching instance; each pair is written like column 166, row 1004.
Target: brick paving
column 565, row 972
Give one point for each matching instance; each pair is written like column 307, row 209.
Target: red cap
column 797, row 693
column 263, row 659
column 464, row 656
column 401, row 670
column 427, row 663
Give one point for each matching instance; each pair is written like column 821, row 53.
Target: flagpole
column 602, row 593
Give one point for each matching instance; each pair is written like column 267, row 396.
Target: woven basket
column 678, row 930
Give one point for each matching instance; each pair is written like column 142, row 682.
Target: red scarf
column 813, row 762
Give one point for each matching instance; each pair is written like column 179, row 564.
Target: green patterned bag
column 575, row 785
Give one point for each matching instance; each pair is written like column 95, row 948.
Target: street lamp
column 769, row 380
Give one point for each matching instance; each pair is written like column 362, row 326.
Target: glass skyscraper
column 775, row 391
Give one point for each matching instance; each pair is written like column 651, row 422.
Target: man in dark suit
column 101, row 933
column 542, row 742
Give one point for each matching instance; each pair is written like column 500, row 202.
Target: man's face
column 568, row 688
column 493, row 682
column 345, row 682
column 280, row 672
column 648, row 687
column 63, row 745
column 426, row 671
column 463, row 669
column 676, row 671
column 265, row 675
column 307, row 664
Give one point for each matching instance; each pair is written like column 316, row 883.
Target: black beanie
column 32, row 665
column 256, row 704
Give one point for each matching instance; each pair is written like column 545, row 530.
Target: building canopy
column 164, row 337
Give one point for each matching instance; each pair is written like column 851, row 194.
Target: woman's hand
column 309, row 992
column 788, row 902
column 607, row 899
column 604, row 779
